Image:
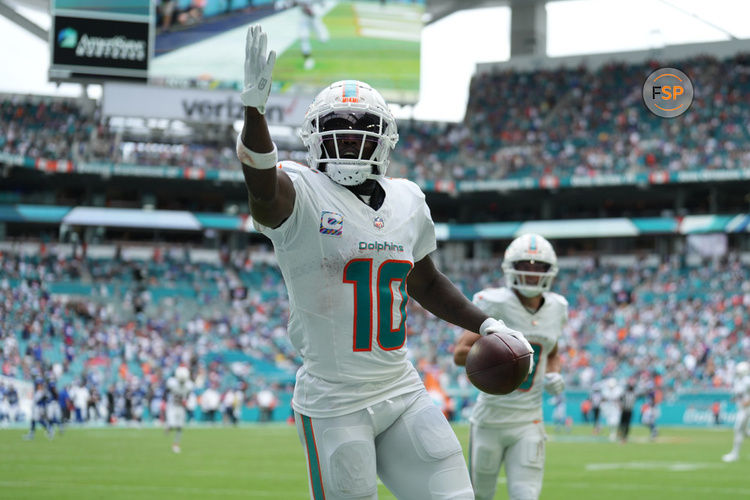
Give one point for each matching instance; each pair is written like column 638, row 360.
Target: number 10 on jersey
column 359, row 272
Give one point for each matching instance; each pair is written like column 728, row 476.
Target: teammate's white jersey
column 741, row 391
column 345, row 268
column 542, row 329
column 178, row 391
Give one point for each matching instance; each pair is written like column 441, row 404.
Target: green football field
column 390, row 65
column 261, row 462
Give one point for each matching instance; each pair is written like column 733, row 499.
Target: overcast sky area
column 452, row 46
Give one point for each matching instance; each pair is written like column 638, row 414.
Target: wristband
column 259, row 161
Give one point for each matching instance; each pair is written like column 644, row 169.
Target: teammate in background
column 311, row 20
column 39, row 410
column 350, row 242
column 741, row 396
column 510, row 429
column 178, row 387
column 611, row 393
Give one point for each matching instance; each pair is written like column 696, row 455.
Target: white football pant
column 520, row 447
column 405, row 441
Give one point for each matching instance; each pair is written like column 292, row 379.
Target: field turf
column 259, row 462
column 391, row 66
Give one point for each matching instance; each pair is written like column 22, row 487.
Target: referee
column 627, row 402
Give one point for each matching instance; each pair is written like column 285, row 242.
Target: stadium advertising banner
column 195, row 105
column 96, row 42
column 317, row 42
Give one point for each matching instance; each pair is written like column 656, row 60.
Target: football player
column 39, row 410
column 310, row 21
column 509, row 429
column 179, row 388
column 611, row 393
column 350, row 243
column 741, row 396
column 54, row 411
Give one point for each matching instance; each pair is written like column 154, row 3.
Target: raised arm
column 270, row 191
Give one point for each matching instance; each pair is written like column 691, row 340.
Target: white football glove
column 258, row 69
column 492, row 325
column 554, row 383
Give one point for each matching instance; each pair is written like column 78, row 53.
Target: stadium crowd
column 583, row 122
column 226, row 321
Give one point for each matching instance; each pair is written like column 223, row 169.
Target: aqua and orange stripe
column 316, row 478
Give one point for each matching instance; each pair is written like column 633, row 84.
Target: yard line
column 691, row 488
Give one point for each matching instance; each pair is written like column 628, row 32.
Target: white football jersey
column 178, row 391
column 741, row 391
column 345, row 266
column 542, row 329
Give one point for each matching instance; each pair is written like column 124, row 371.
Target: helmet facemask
column 530, row 283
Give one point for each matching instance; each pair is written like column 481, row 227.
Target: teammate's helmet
column 742, row 369
column 352, row 111
column 529, row 248
column 182, row 373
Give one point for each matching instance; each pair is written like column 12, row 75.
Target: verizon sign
column 195, row 105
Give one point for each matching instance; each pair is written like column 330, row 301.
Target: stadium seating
column 618, row 326
column 586, row 122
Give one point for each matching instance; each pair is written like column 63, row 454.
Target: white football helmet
column 742, row 369
column 529, row 248
column 351, row 110
column 182, row 373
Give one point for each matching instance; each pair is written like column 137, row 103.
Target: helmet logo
column 350, row 91
column 532, row 245
column 378, row 222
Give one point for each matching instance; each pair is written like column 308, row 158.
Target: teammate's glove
column 258, row 69
column 554, row 383
column 492, row 325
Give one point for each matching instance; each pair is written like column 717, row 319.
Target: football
column 497, row 364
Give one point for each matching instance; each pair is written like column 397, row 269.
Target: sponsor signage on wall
column 195, row 105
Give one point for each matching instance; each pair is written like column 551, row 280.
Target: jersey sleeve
column 283, row 235
column 426, row 242
column 564, row 314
